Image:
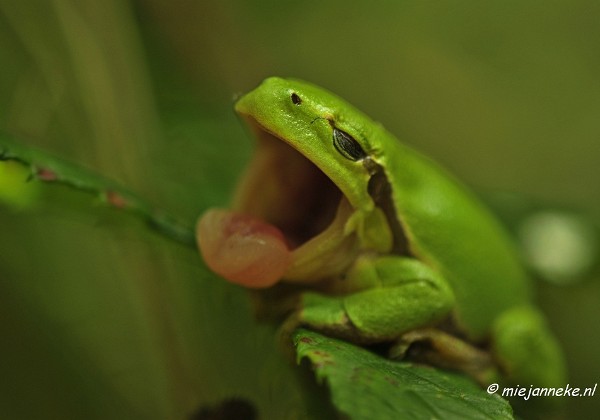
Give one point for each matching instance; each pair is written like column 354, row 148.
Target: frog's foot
column 437, row 348
column 527, row 350
column 404, row 294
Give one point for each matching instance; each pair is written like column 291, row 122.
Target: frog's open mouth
column 284, row 188
column 287, row 221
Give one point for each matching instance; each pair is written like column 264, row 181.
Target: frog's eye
column 347, row 145
column 295, row 98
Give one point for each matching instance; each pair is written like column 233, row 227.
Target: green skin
column 435, row 255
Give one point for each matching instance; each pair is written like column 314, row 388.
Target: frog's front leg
column 398, row 294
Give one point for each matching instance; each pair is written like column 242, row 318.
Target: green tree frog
column 379, row 240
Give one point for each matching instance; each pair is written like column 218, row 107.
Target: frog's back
column 450, row 229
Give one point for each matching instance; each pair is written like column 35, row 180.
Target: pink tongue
column 243, row 249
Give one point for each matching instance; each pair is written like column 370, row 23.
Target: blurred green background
column 101, row 319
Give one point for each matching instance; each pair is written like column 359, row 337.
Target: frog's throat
column 284, row 188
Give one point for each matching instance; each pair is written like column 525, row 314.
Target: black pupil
column 296, row 99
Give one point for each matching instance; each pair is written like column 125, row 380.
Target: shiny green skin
column 460, row 262
column 445, row 225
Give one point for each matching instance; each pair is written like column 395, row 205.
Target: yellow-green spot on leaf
column 15, row 191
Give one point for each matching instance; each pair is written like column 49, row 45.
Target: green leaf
column 366, row 386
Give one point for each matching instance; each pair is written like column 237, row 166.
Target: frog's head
column 315, row 125
column 306, row 196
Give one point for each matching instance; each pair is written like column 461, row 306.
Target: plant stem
column 47, row 168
